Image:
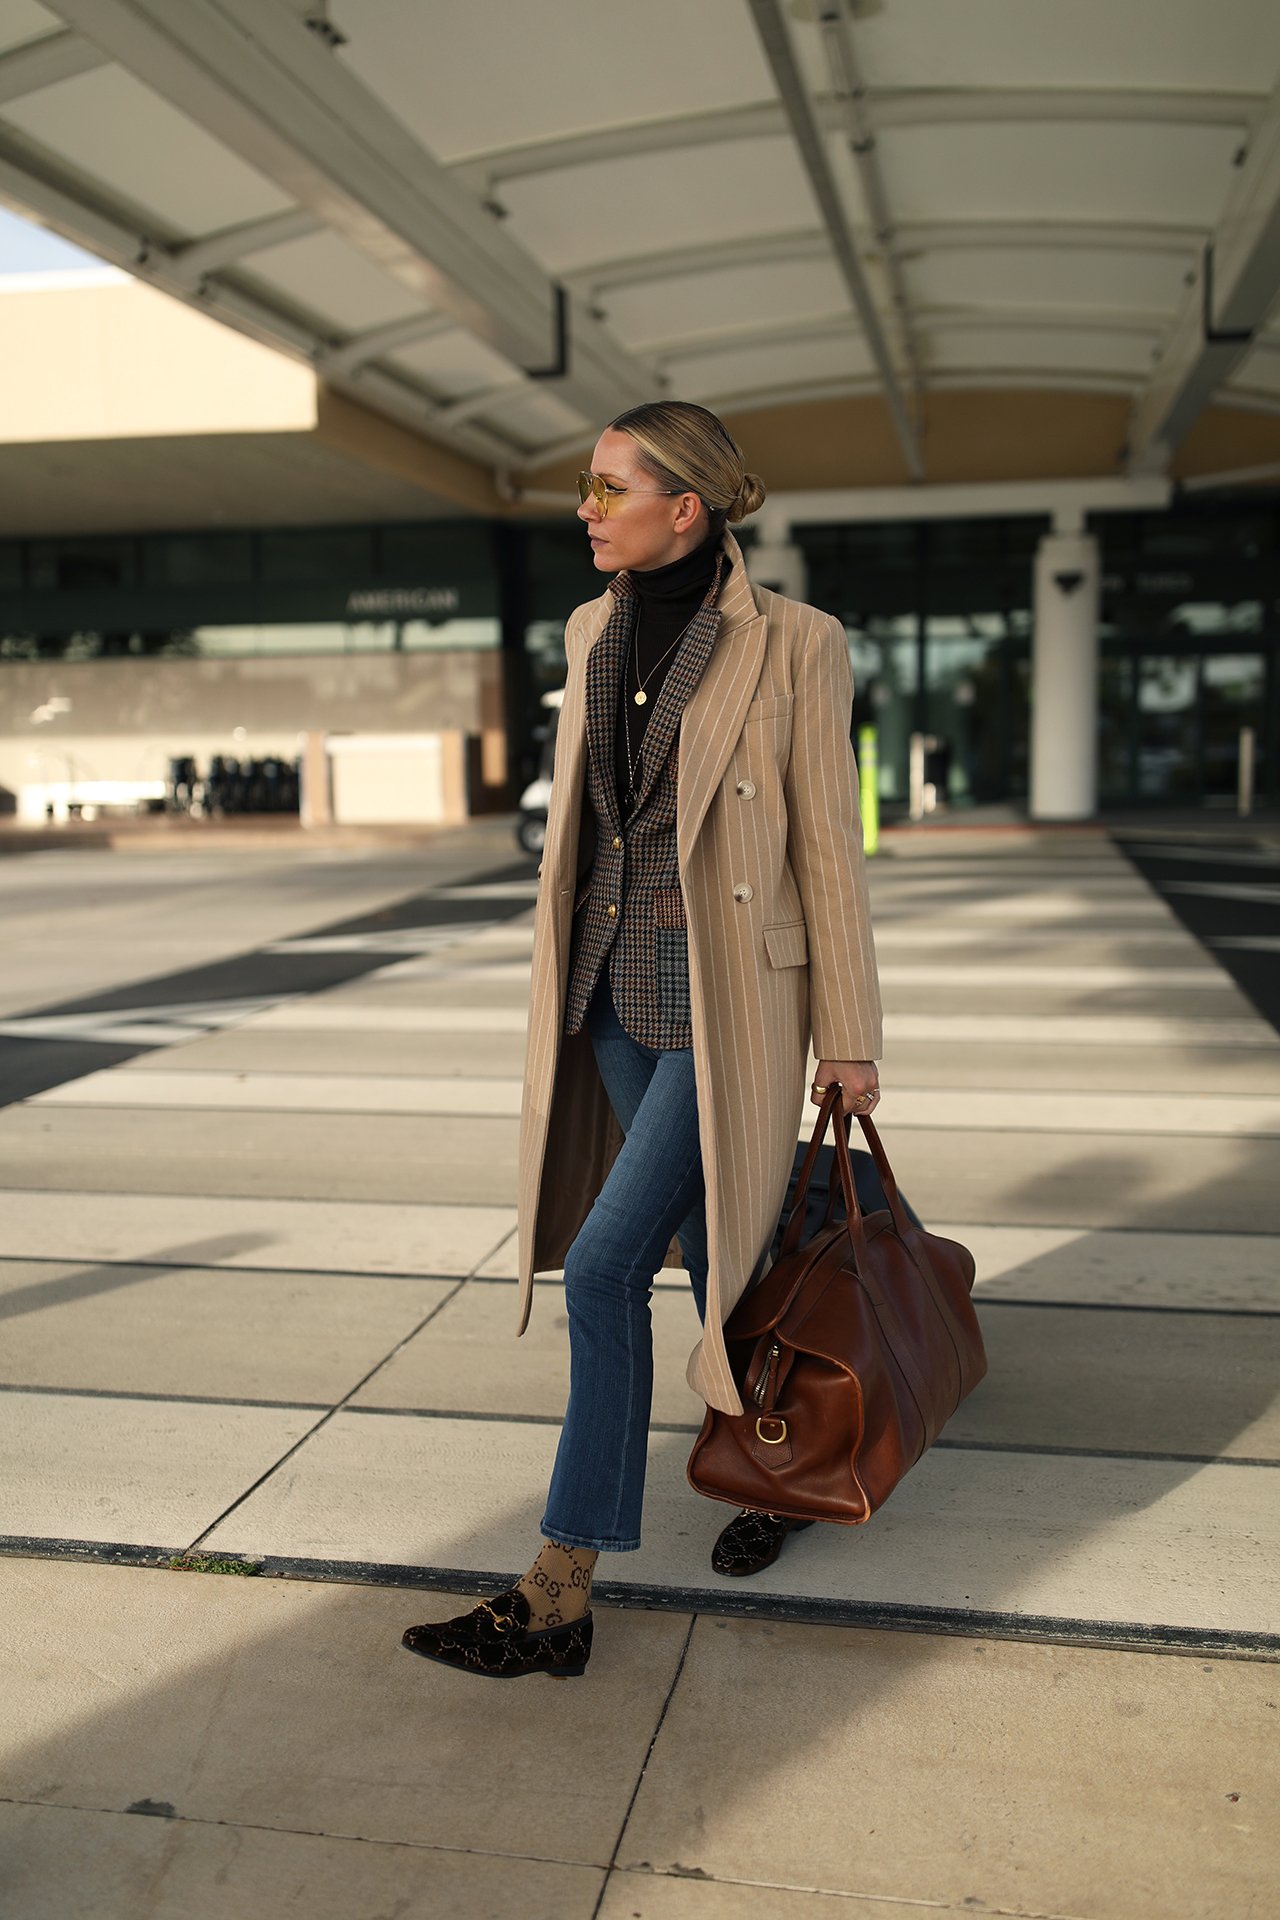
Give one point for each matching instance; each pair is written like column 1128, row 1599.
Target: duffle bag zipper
column 767, row 1373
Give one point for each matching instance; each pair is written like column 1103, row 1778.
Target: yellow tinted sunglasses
column 602, row 493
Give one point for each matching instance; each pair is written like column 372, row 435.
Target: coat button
column 746, row 788
column 616, row 841
column 612, row 911
column 742, row 891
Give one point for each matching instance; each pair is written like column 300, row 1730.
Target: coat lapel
column 712, row 716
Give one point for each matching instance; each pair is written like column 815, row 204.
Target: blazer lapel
column 712, row 717
column 604, row 671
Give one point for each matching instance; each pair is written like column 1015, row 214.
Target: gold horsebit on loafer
column 503, row 1622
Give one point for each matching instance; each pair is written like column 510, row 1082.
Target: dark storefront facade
column 938, row 615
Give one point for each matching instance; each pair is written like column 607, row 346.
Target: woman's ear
column 690, row 506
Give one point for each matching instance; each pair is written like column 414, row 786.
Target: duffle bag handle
column 791, row 1236
column 889, row 1185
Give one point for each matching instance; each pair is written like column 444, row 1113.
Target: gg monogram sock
column 558, row 1585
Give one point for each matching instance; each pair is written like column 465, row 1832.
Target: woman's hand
column 859, row 1084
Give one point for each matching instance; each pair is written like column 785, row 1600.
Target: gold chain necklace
column 640, row 696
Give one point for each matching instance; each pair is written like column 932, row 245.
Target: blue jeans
column 654, row 1189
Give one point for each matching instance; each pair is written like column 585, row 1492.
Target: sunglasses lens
column 584, row 487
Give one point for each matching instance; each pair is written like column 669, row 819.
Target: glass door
column 1169, row 725
column 1232, row 695
column 1168, row 760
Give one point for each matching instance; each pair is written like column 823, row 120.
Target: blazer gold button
column 743, row 891
column 616, row 841
column 746, row 788
column 612, row 911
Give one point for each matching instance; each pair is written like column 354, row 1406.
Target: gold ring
column 777, row 1420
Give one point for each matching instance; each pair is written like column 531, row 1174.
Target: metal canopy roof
column 501, row 223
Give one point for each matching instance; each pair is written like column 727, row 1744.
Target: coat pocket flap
column 766, row 705
column 787, row 943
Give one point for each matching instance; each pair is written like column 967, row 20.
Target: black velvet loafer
column 494, row 1640
column 752, row 1541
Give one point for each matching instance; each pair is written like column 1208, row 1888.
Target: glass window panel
column 198, row 560
column 884, row 659
column 1166, row 608
column 1167, row 759
column 962, row 543
column 410, row 551
column 316, row 553
column 82, row 563
column 560, row 573
column 544, row 647
column 872, row 543
column 1207, row 617
column 1232, row 696
column 976, row 707
column 1115, row 701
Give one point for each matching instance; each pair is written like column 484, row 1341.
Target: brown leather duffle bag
column 850, row 1355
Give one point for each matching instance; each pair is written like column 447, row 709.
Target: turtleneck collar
column 685, row 578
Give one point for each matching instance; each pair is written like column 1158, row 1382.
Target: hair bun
column 749, row 498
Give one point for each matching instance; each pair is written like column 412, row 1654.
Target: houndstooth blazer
column 630, row 915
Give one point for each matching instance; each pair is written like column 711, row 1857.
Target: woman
column 702, row 916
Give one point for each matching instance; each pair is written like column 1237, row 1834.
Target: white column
column 780, row 566
column 1064, row 678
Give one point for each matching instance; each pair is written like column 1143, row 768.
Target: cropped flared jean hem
column 563, row 1539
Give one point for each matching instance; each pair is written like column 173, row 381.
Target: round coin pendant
column 641, row 697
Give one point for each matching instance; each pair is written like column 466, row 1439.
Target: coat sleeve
column 824, row 845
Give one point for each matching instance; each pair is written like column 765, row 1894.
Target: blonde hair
column 686, row 446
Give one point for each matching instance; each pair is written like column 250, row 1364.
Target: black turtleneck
column 668, row 598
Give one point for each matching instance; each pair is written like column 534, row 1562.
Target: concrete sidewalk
column 257, row 1282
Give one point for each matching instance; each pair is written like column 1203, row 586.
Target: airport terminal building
column 296, row 391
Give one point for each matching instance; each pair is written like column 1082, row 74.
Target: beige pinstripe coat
column 767, row 799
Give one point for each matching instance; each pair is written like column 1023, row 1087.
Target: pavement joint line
column 894, row 1900
column 612, row 1862
column 1023, row 1131
column 981, row 1299
column 323, row 1833
column 1028, row 1449
column 1245, row 1644
column 198, row 1266
column 260, row 1199
column 323, row 1421
column 1126, row 1306
column 168, row 1399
